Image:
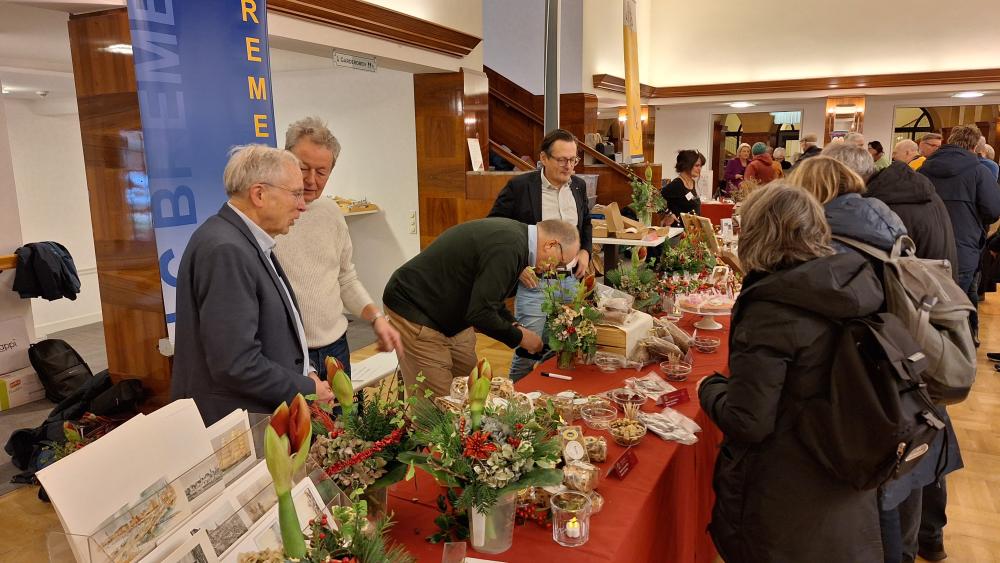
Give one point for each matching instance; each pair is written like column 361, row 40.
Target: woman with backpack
column 774, row 501
column 911, row 508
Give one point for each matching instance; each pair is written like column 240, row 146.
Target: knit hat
column 758, row 148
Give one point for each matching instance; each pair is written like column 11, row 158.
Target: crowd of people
column 774, row 502
column 264, row 285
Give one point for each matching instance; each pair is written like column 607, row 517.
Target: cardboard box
column 19, row 388
column 623, row 340
column 13, row 345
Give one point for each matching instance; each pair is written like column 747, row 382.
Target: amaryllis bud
column 344, row 391
column 589, row 282
column 299, row 425
column 642, row 253
column 477, row 400
column 333, row 365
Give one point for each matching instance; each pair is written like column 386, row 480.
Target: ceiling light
column 6, row 91
column 971, row 94
column 741, row 104
column 41, row 93
column 842, row 109
column 118, row 49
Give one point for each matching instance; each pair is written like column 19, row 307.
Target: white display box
column 19, row 388
column 13, row 345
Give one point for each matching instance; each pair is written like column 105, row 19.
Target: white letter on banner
column 146, row 71
column 164, row 118
column 142, row 12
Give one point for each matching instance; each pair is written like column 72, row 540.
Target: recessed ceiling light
column 970, row 94
column 742, row 104
column 119, row 49
column 6, row 91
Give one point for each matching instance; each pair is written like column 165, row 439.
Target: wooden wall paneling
column 127, row 267
column 509, row 127
column 935, row 78
column 718, row 155
column 370, row 19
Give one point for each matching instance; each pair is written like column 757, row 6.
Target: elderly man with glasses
column 317, row 254
column 240, row 342
column 550, row 193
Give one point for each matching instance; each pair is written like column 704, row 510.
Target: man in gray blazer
column 240, row 342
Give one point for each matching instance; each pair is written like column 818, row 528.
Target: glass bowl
column 627, row 432
column 706, row 344
column 624, row 397
column 597, row 418
column 607, row 364
column 675, row 371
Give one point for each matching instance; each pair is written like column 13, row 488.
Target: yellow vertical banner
column 632, row 148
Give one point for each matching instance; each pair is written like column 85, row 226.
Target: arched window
column 912, row 122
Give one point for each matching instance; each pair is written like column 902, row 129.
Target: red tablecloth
column 716, row 211
column 657, row 514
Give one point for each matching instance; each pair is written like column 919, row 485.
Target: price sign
column 673, row 398
column 624, row 464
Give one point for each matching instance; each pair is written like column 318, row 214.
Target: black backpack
column 878, row 420
column 60, row 368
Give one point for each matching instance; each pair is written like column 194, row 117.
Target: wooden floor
column 972, row 534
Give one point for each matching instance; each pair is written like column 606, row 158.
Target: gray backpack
column 934, row 308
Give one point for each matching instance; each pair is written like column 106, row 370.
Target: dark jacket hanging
column 45, row 269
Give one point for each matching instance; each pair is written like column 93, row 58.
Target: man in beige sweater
column 317, row 255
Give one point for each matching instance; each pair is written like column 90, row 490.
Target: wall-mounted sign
column 357, row 62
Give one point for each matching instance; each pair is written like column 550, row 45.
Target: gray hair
column 856, row 158
column 854, row 137
column 315, row 130
column 256, row 164
column 564, row 232
column 990, row 153
column 783, row 225
column 981, row 146
column 777, row 151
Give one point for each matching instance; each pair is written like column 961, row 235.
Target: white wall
column 11, row 306
column 603, row 46
column 54, row 205
column 372, row 114
column 514, row 43
column 712, row 42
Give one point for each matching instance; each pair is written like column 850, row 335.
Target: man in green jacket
column 458, row 285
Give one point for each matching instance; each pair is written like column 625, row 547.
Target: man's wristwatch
column 378, row 315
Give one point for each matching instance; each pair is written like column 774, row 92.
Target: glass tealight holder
column 570, row 518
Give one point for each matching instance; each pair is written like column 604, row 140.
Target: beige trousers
column 431, row 353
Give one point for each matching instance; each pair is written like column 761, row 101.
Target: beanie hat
column 758, row 148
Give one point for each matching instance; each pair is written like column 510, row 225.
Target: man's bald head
column 904, row 151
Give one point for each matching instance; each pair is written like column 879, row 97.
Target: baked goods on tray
column 706, row 303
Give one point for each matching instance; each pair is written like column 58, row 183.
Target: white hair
column 778, row 150
column 854, row 137
column 256, row 164
column 856, row 158
column 315, row 130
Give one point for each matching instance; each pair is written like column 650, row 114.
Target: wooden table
column 657, row 514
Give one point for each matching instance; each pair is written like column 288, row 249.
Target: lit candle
column 573, row 528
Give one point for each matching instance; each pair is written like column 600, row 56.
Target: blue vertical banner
column 204, row 85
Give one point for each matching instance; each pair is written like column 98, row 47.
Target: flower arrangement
column 570, row 323
column 638, row 280
column 646, row 199
column 687, row 256
column 359, row 449
column 488, row 451
column 348, row 539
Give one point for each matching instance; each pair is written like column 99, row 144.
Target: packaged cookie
column 596, row 502
column 581, row 476
column 597, row 448
column 572, row 444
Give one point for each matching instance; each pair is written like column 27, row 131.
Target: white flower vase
column 493, row 532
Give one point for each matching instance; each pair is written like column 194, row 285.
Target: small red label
column 624, row 464
column 673, row 398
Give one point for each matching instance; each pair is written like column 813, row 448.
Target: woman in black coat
column 774, row 502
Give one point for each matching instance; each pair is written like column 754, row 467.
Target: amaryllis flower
column 642, row 253
column 286, row 446
column 340, row 384
column 478, row 446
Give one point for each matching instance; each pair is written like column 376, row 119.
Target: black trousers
column 932, row 515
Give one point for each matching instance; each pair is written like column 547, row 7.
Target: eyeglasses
column 566, row 161
column 297, row 194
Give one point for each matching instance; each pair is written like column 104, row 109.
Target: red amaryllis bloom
column 478, row 446
column 292, row 422
column 589, row 282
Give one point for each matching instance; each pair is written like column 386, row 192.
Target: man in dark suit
column 550, row 193
column 240, row 342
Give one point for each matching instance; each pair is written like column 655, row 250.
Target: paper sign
column 624, row 464
column 476, row 154
column 673, row 398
